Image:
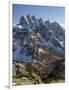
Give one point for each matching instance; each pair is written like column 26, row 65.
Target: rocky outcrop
column 39, row 71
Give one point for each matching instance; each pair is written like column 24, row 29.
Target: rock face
column 33, row 33
column 39, row 72
column 38, row 48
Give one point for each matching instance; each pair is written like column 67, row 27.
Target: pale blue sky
column 46, row 12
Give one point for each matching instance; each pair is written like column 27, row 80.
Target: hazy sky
column 46, row 12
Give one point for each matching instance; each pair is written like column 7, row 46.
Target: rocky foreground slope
column 38, row 72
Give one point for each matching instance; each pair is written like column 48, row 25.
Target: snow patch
column 41, row 50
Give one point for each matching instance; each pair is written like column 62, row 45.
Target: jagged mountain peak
column 34, row 34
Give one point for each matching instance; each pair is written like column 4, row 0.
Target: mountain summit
column 32, row 34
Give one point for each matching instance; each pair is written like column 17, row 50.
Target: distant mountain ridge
column 32, row 34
